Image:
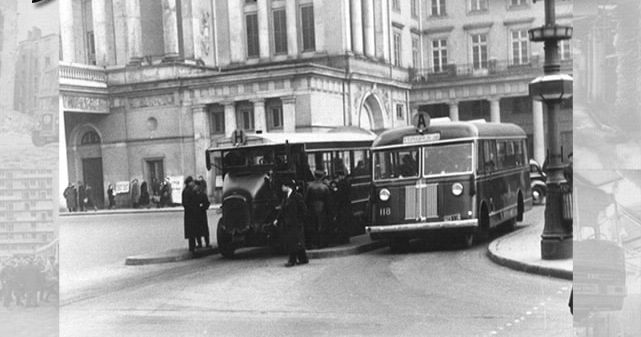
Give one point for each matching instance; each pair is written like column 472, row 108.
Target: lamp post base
column 556, row 249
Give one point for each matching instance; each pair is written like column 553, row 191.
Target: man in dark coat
column 343, row 208
column 71, row 195
column 317, row 201
column 192, row 213
column 200, row 197
column 291, row 219
column 144, row 195
column 81, row 196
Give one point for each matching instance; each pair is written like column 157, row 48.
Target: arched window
column 90, row 137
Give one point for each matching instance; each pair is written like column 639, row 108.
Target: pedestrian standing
column 134, row 193
column 81, row 197
column 89, row 198
column 192, row 214
column 165, row 193
column 155, row 191
column 203, row 184
column 343, row 208
column 111, row 196
column 144, row 195
column 71, row 196
column 317, row 201
column 291, row 220
column 202, row 225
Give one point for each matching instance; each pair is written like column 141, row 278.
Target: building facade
column 8, row 33
column 26, row 210
column 147, row 85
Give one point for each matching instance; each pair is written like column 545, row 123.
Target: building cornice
column 519, row 21
column 438, row 30
column 478, row 25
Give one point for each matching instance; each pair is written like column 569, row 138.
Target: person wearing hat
column 290, row 220
column 317, row 201
column 192, row 215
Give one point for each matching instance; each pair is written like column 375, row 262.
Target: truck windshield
column 447, row 159
column 396, row 163
column 252, row 158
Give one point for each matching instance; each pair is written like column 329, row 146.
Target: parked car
column 537, row 182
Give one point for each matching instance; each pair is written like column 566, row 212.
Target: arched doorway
column 371, row 114
column 89, row 158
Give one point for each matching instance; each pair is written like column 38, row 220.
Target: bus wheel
column 483, row 231
column 399, row 245
column 520, row 208
column 225, row 245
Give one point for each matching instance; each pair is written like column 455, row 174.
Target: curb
column 525, row 267
column 181, row 254
column 173, row 255
column 213, row 208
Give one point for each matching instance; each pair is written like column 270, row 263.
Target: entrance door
column 155, row 170
column 92, row 173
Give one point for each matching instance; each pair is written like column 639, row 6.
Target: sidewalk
column 521, row 250
column 357, row 245
column 212, row 208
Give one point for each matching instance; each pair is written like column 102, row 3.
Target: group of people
column 196, row 203
column 329, row 209
column 80, row 198
column 28, row 281
column 141, row 195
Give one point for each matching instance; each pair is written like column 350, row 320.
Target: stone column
column 538, row 142
column 263, row 29
column 357, row 27
column 230, row 117
column 236, row 38
column 134, row 31
column 385, row 12
column 170, row 30
column 102, row 31
column 289, row 113
column 292, row 37
column 67, row 31
column 202, row 140
column 495, row 110
column 260, row 122
column 454, row 110
column 368, row 26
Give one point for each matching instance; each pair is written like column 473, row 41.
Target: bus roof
column 352, row 138
column 451, row 131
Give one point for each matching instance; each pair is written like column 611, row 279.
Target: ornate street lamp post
column 552, row 88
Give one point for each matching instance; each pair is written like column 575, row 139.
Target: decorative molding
column 478, row 25
column 397, row 25
column 85, row 104
column 151, row 101
column 518, row 21
column 438, row 30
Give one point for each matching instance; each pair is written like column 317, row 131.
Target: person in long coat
column 203, row 205
column 81, row 196
column 317, row 200
column 134, row 192
column 192, row 213
column 71, row 195
column 91, row 201
column 291, row 220
column 144, row 194
column 111, row 196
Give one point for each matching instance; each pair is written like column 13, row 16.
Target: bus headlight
column 457, row 189
column 384, row 194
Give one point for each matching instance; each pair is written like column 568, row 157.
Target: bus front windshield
column 252, row 158
column 396, row 163
column 447, row 159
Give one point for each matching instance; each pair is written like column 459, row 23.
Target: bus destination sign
column 427, row 138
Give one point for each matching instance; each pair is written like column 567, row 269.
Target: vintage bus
column 458, row 177
column 251, row 167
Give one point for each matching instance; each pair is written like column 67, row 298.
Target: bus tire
column 483, row 232
column 520, row 208
column 399, row 245
column 225, row 245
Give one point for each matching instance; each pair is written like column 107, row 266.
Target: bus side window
column 489, row 149
column 518, row 153
column 501, row 154
column 510, row 158
column 361, row 161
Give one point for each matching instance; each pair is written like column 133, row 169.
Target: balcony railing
column 82, row 72
column 493, row 68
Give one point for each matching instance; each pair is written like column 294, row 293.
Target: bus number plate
column 385, row 211
column 430, row 137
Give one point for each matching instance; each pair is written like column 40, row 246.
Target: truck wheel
column 225, row 245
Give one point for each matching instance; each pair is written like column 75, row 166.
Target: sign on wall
column 121, row 187
column 176, row 188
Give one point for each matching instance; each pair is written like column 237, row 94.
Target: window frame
column 251, row 37
column 440, row 7
column 482, row 45
column 213, row 111
column 478, row 6
column 397, row 44
column 441, row 50
column 304, row 38
column 522, row 44
column 279, row 36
